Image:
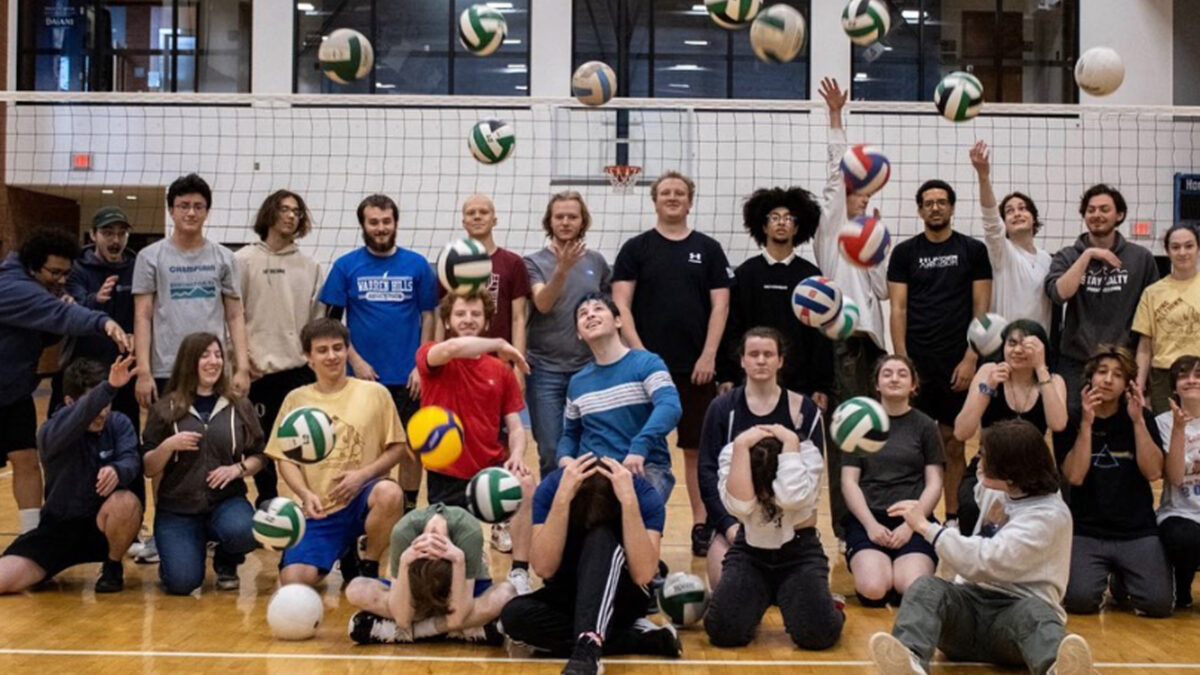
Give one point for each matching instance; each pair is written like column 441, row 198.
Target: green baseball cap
column 107, row 216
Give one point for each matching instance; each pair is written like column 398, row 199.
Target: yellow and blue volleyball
column 306, row 435
column 491, row 141
column 959, row 96
column 435, row 436
column 345, row 55
column 279, row 524
column 816, row 301
column 481, row 29
column 866, row 21
column 778, row 34
column 860, row 425
column 732, row 14
column 494, row 495
column 594, row 83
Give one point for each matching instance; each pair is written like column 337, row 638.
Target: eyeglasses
column 777, row 218
column 939, row 203
column 198, row 207
column 293, row 210
column 55, row 272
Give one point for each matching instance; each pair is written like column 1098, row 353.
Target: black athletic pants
column 267, row 394
column 1181, row 539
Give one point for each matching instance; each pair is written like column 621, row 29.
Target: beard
column 373, row 244
column 937, row 227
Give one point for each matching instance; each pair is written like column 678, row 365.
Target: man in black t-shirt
column 937, row 281
column 671, row 284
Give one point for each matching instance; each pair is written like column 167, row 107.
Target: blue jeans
column 546, row 398
column 661, row 479
column 183, row 538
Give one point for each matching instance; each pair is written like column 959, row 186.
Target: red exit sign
column 81, row 161
column 1142, row 229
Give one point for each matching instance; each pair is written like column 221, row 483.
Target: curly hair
column 268, row 213
column 799, row 202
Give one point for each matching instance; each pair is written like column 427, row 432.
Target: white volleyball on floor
column 295, row 612
column 778, row 34
column 684, row 598
column 816, row 301
column 594, row 83
column 866, row 21
column 959, row 96
column 1099, row 71
column 860, row 425
column 984, row 334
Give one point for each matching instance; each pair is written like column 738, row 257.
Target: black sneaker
column 657, row 640
column 655, row 587
column 585, row 658
column 701, row 537
column 112, row 577
column 368, row 568
column 227, row 577
column 371, row 629
column 349, row 567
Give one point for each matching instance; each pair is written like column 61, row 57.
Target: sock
column 424, row 628
column 410, row 500
column 368, row 568
column 29, row 519
column 520, row 565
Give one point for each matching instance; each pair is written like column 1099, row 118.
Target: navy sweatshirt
column 87, row 276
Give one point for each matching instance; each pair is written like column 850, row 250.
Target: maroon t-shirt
column 510, row 280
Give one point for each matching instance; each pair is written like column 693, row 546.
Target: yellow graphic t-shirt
column 364, row 424
column 1169, row 312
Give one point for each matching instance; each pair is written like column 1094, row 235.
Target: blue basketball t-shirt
column 654, row 513
column 384, row 297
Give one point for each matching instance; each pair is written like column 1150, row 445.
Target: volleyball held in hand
column 732, row 14
column 959, row 96
column 683, row 598
column 984, row 334
column 864, row 241
column 1099, row 71
column 494, row 495
column 594, row 83
column 295, row 612
column 866, row 21
column 816, row 301
column 307, row 435
column 778, row 34
column 865, row 169
column 481, row 29
column 279, row 524
column 435, row 436
column 345, row 55
column 846, row 322
column 491, row 141
column 860, row 425
column 464, row 265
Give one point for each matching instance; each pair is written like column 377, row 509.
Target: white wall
column 272, row 53
column 1140, row 30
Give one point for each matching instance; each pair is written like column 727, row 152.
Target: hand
column 749, row 437
column 241, row 382
column 414, row 384
column 901, row 535
column 120, row 373
column 1179, row 416
column 104, row 294
column 515, row 465
column 364, row 371
column 346, row 486
column 106, row 481
column 566, row 255
column 621, row 479
column 980, row 159
column 312, row 505
column 574, row 472
column 635, row 463
column 835, row 98
column 123, row 340
column 821, row 399
column 914, row 515
column 1135, row 404
column 146, row 392
column 723, row 387
column 221, row 476
column 411, row 553
column 509, row 353
column 184, row 441
column 999, row 374
column 67, row 299
column 879, row 535
column 1090, row 401
column 1103, row 255
column 791, row 441
column 705, row 368
column 963, row 373
column 1036, row 351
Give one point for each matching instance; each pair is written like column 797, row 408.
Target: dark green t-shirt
column 897, row 471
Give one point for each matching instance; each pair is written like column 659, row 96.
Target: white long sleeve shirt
column 797, row 485
column 1018, row 276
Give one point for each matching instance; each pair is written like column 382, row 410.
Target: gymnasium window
column 672, row 49
column 134, row 45
column 1023, row 51
column 416, row 48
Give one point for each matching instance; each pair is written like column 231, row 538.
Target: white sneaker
column 1074, row 657
column 519, row 579
column 149, row 553
column 893, row 657
column 502, row 538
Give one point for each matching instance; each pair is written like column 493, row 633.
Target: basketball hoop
column 622, row 177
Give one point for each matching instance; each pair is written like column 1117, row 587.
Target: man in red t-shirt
column 461, row 375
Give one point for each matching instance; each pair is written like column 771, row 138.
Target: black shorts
column 857, row 540
column 18, row 420
column 267, row 393
column 695, row 399
column 56, row 545
column 936, row 399
column 443, row 489
column 406, row 406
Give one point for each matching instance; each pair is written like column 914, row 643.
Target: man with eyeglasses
column 280, row 286
column 34, row 311
column 937, row 281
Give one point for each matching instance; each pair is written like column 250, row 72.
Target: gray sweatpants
column 969, row 623
column 1139, row 571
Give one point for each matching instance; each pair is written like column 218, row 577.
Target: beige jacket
column 279, row 293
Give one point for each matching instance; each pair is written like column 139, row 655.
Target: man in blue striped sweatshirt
column 623, row 404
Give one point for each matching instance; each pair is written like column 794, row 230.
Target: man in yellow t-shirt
column 348, row 493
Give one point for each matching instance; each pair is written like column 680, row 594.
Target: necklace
column 1024, row 406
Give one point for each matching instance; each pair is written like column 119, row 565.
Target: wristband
column 242, row 466
column 986, row 390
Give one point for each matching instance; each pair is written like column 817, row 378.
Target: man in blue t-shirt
column 623, row 404
column 597, row 535
column 387, row 294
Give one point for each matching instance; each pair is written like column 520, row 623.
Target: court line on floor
column 6, row 473
column 274, row 656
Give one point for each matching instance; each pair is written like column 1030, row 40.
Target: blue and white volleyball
column 816, row 301
column 491, row 141
column 594, row 83
column 481, row 29
column 778, row 34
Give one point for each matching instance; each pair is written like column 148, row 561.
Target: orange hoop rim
column 622, row 176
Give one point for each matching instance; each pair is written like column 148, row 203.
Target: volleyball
column 464, row 265
column 864, row 241
column 732, row 14
column 345, row 55
column 860, row 425
column 306, row 435
column 684, row 598
column 778, row 34
column 494, row 495
column 594, row 83
column 984, row 334
column 959, row 96
column 481, row 29
column 491, row 140
column 1099, row 71
column 436, row 436
column 279, row 524
column 816, row 301
column 866, row 21
column 295, row 612
column 846, row 322
column 865, row 169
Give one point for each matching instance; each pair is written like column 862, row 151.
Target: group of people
column 217, row 347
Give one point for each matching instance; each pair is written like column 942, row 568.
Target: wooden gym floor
column 65, row 627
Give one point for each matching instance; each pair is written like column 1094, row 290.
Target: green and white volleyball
column 860, row 425
column 345, row 55
column 684, row 598
column 481, row 29
column 279, row 524
column 594, row 83
column 1099, row 71
column 846, row 322
column 463, row 265
column 491, row 141
column 959, row 96
column 778, row 34
column 494, row 495
column 866, row 21
column 306, row 435
column 984, row 334
column 732, row 14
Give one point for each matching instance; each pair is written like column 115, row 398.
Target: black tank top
column 998, row 411
column 743, row 418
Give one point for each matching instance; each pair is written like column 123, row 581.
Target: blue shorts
column 857, row 540
column 326, row 540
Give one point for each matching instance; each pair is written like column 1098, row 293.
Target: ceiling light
column 106, row 191
column 696, row 43
column 305, row 6
column 132, row 198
